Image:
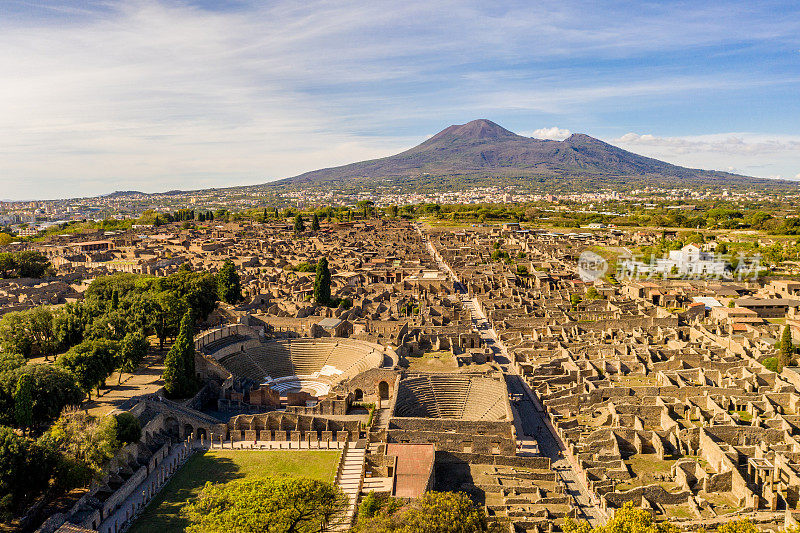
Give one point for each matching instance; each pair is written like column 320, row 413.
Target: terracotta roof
column 414, row 468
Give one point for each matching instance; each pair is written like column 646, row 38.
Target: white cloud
column 743, row 153
column 728, row 143
column 158, row 94
column 554, row 133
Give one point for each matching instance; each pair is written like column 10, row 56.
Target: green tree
column 133, row 350
column 88, row 442
column 322, row 283
column 69, row 324
column 25, row 472
column 743, row 525
column 25, row 264
column 91, row 362
column 786, row 348
column 299, row 225
column 229, row 287
column 278, row 504
column 435, row 512
column 575, row 299
column 628, row 519
column 315, row 222
column 128, row 428
column 28, row 332
column 179, row 373
column 366, row 207
column 52, row 389
column 23, row 402
column 168, row 310
column 11, row 361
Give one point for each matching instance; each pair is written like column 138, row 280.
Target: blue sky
column 153, row 95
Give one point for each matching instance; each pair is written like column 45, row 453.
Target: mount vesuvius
column 483, row 153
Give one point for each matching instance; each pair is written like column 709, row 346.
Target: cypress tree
column 786, row 349
column 23, row 402
column 322, row 283
column 229, row 286
column 179, row 378
column 299, row 226
column 315, row 223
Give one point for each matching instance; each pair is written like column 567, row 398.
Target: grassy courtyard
column 220, row 466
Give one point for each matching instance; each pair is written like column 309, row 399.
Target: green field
column 220, row 466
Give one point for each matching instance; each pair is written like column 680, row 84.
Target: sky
column 154, row 95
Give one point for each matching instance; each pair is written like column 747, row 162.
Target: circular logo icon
column 591, row 266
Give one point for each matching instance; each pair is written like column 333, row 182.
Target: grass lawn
column 433, row 361
column 221, row 466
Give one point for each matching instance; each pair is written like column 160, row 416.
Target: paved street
column 538, row 434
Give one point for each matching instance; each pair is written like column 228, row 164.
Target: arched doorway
column 188, row 430
column 359, row 395
column 383, row 390
column 201, row 434
column 172, row 428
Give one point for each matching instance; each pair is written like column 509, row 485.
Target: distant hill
column 481, row 152
column 119, row 194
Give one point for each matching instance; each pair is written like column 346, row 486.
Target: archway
column 172, row 428
column 201, row 434
column 383, row 390
column 359, row 395
column 188, row 430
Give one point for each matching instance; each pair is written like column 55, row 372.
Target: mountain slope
column 483, row 150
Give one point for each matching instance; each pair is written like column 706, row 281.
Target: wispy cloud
column 746, row 153
column 159, row 94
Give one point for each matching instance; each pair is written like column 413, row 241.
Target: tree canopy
column 786, row 349
column 229, row 287
column 628, row 519
column 91, row 362
column 25, row 471
column 179, row 372
column 435, row 512
column 322, row 283
column 52, row 388
column 299, row 225
column 24, row 264
column 278, row 504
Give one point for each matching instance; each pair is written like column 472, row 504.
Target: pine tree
column 299, row 226
column 315, row 223
column 786, row 349
column 322, row 283
column 229, row 286
column 23, row 402
column 179, row 378
column 266, row 214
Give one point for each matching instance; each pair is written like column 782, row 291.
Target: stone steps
column 349, row 481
